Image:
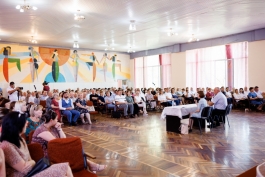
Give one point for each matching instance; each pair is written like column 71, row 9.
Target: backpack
column 115, row 114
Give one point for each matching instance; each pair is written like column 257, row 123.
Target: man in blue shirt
column 254, row 99
column 219, row 102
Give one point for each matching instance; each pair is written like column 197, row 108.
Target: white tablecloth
column 179, row 110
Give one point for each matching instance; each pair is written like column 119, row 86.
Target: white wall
column 256, row 64
column 131, row 82
column 178, row 70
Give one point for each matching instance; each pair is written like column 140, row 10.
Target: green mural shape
column 15, row 60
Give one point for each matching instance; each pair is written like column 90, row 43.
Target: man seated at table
column 163, row 100
column 121, row 102
column 219, row 102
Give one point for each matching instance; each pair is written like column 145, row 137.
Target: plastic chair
column 205, row 114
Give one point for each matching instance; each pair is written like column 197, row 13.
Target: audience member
column 50, row 130
column 81, row 106
column 150, row 99
column 17, row 155
column 140, row 102
column 121, row 102
column 55, row 106
column 67, row 107
column 35, row 119
column 254, row 97
column 44, row 96
column 49, row 101
column 219, row 102
column 197, row 114
column 13, row 92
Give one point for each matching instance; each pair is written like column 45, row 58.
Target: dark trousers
column 167, row 103
column 135, row 109
column 217, row 115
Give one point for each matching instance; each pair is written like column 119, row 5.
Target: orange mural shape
column 46, row 55
column 5, row 69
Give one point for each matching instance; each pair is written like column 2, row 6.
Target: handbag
column 184, row 129
column 90, row 108
column 116, row 114
column 41, row 165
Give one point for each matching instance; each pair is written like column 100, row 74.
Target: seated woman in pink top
column 51, row 129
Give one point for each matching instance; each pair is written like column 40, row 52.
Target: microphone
column 153, row 84
column 35, row 88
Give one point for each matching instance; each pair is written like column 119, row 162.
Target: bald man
column 219, row 102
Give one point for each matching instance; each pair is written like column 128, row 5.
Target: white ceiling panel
column 107, row 21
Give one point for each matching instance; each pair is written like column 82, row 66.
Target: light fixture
column 130, row 50
column 76, row 45
column 79, row 17
column 32, row 40
column 25, row 7
column 193, row 39
column 109, row 48
column 132, row 26
column 171, row 33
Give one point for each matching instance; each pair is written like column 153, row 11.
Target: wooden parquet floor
column 141, row 147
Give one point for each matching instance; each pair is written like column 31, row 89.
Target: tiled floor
column 142, row 147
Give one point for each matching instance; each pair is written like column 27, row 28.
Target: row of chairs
column 206, row 114
column 65, row 150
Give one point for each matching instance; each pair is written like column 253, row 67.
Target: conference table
column 176, row 115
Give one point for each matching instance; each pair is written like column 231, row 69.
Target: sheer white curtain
column 151, row 71
column 206, row 67
column 165, row 61
column 216, row 66
column 239, row 52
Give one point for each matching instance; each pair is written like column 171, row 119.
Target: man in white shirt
column 258, row 92
column 13, row 92
column 121, row 102
column 219, row 101
column 67, row 107
column 32, row 98
column 170, row 98
column 163, row 99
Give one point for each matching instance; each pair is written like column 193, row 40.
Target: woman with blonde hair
column 34, row 120
column 81, row 106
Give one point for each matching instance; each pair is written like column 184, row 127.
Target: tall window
column 217, row 66
column 153, row 71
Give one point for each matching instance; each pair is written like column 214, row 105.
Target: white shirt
column 246, row 93
column 220, row 101
column 22, row 98
column 31, row 99
column 238, row 96
column 168, row 95
column 42, row 97
column 162, row 97
column 228, row 94
column 120, row 99
column 259, row 94
column 137, row 99
column 67, row 101
column 13, row 96
column 88, row 96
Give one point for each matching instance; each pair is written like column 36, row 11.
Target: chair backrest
column 36, row 151
column 30, row 136
column 89, row 103
column 67, row 150
column 43, row 103
column 206, row 112
column 228, row 109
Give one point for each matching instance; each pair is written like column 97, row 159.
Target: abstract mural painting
column 105, row 65
column 33, row 63
column 6, row 51
column 27, row 64
column 92, row 64
column 55, row 58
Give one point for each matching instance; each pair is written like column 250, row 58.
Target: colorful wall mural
column 27, row 64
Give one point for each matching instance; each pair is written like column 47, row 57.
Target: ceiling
column 107, row 22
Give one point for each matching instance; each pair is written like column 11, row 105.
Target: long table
column 179, row 111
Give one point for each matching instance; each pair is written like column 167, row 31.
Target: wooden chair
column 90, row 103
column 70, row 150
column 30, row 136
column 36, row 151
